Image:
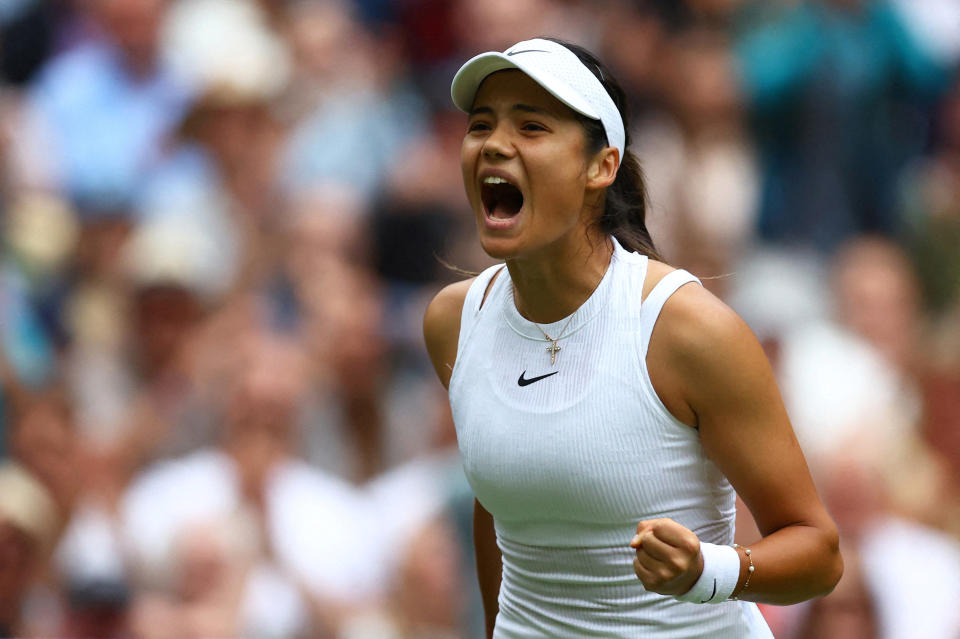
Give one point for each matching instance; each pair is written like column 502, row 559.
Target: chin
column 499, row 248
column 501, row 244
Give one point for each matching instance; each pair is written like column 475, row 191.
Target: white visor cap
column 554, row 67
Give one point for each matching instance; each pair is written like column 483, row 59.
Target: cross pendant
column 553, row 349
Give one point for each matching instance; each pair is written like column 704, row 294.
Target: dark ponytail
column 625, row 209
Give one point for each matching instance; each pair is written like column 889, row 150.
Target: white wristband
column 721, row 572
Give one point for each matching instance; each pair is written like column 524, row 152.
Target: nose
column 497, row 144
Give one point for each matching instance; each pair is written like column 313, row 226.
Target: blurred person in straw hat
column 218, row 173
column 28, row 521
column 138, row 370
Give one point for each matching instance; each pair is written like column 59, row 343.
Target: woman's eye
column 478, row 126
column 533, row 126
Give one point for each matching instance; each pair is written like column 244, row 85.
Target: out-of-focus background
column 221, row 221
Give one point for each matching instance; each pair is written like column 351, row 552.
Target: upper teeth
column 493, row 179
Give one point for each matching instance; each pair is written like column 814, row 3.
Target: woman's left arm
column 710, row 362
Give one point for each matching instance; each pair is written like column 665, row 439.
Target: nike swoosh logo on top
column 527, row 382
column 527, row 51
column 712, row 593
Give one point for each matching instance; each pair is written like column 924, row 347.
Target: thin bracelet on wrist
column 750, row 570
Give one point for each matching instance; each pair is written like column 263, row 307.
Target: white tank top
column 569, row 463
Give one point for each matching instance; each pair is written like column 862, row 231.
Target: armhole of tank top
column 650, row 309
column 476, row 297
column 489, row 287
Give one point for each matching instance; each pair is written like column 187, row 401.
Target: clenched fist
column 668, row 556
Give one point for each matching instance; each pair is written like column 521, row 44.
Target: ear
column 602, row 170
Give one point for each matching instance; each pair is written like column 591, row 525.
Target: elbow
column 833, row 564
column 834, row 573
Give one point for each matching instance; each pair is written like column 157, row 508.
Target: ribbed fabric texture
column 569, row 464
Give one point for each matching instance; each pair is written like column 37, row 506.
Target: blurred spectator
column 319, row 34
column 340, row 312
column 414, row 506
column 931, row 210
column 89, row 568
column 219, row 175
column 827, row 82
column 312, row 526
column 635, row 35
column 426, row 598
column 908, row 602
column 363, row 110
column 941, row 428
column 482, row 26
column 137, row 366
column 878, row 298
column 38, row 235
column 221, row 588
column 838, row 390
column 859, row 369
column 25, row 342
column 28, row 520
column 421, row 216
column 701, row 171
column 97, row 114
column 850, row 611
column 43, row 440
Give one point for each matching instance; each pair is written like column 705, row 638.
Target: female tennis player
column 607, row 406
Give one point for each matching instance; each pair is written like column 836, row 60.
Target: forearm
column 792, row 564
column 489, row 563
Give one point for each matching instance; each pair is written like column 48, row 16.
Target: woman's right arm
column 441, row 332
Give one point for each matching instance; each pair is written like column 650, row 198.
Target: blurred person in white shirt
column 313, row 527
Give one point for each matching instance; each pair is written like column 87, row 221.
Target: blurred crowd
column 220, row 223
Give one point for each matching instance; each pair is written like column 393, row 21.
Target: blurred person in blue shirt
column 97, row 114
column 839, row 94
column 358, row 107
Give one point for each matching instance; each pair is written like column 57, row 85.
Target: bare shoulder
column 441, row 327
column 696, row 345
column 446, row 305
column 693, row 319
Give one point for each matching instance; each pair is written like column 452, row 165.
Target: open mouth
column 501, row 200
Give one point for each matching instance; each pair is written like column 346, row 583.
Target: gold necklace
column 554, row 347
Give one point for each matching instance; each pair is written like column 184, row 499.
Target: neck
column 556, row 282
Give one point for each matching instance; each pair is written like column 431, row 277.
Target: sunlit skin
column 519, row 132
